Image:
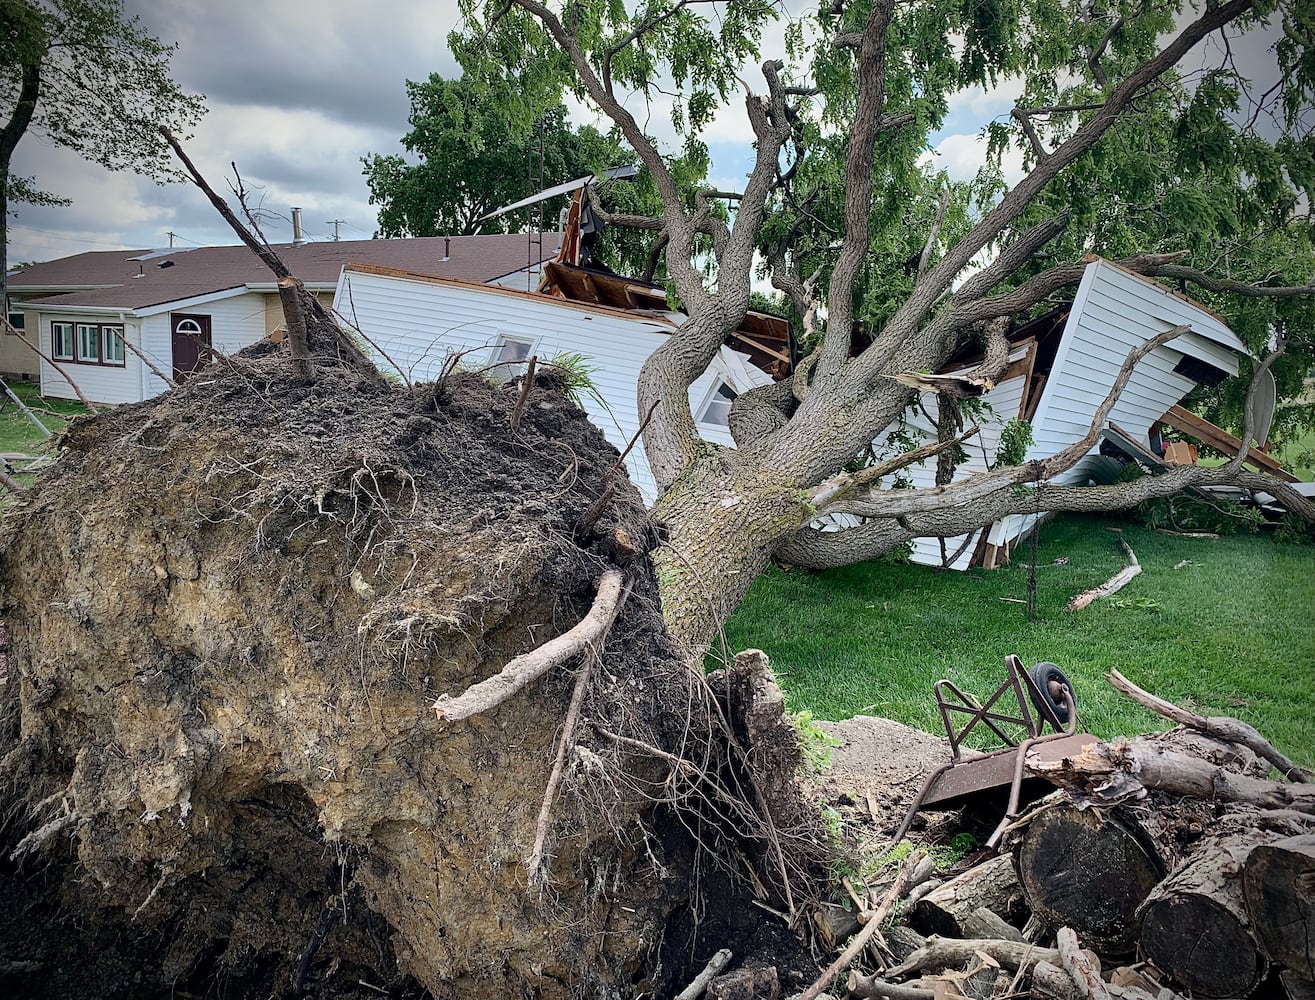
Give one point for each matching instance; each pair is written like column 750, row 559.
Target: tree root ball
column 230, row 609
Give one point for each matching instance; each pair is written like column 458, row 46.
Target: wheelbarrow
column 1044, row 699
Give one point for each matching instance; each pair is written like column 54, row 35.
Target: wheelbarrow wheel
column 1048, row 692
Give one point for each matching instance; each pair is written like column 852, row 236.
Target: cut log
column 1088, row 870
column 992, row 885
column 1195, row 928
column 984, row 923
column 1278, row 885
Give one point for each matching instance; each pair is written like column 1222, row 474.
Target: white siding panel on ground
column 415, row 326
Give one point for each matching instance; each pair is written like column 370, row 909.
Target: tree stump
column 1089, row 870
column 1195, row 928
column 1278, row 884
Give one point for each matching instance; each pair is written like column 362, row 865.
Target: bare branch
column 1213, row 284
column 493, row 691
column 1220, row 727
column 831, row 497
column 925, row 258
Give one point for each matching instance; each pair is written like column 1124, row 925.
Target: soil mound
column 230, row 609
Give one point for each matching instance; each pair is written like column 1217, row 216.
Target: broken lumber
column 1194, row 924
column 944, row 953
column 1278, row 887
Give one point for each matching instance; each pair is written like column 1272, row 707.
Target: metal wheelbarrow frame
column 962, row 776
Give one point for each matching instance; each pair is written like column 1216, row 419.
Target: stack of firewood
column 1172, row 865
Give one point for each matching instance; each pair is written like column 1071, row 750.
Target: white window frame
column 56, row 328
column 81, row 333
column 505, row 366
column 717, row 399
column 109, row 334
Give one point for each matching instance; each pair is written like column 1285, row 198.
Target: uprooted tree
column 1127, row 155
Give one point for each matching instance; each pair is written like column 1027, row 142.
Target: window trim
column 101, row 334
column 54, row 346
column 500, row 370
column 715, row 396
column 108, row 330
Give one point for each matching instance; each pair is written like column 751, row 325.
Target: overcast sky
column 297, row 99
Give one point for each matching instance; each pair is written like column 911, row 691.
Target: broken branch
column 493, row 691
column 860, row 940
column 1114, row 584
column 1220, row 727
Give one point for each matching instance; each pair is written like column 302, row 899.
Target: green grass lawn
column 1230, row 633
column 18, row 435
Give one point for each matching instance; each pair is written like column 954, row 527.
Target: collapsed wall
column 230, row 609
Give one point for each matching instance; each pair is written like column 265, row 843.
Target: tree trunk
column 1278, row 884
column 1090, row 872
column 723, row 521
column 1194, row 925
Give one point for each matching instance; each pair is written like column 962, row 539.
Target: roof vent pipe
column 447, row 247
column 298, row 237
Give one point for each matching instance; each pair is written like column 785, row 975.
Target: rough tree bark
column 1279, row 886
column 1195, row 927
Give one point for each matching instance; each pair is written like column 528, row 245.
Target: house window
column 717, row 410
column 511, row 350
column 17, row 321
column 61, row 341
column 111, row 345
column 88, row 343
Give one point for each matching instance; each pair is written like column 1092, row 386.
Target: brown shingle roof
column 121, row 279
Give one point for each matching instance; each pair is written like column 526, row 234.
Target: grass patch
column 1231, row 633
column 18, row 435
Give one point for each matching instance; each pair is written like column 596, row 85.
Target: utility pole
column 171, row 234
column 335, row 223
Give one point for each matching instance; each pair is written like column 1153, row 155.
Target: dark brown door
column 191, row 344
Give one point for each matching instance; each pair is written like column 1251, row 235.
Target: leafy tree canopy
column 79, row 74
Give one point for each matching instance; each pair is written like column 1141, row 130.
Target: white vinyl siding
column 419, row 324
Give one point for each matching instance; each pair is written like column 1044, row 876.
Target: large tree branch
column 906, row 320
column 1212, row 284
column 858, row 186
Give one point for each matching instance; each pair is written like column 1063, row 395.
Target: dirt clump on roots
column 230, row 609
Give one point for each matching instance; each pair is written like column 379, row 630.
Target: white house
column 106, row 319
column 420, row 321
column 1061, row 369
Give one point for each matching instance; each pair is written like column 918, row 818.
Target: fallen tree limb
column 1084, row 972
column 1114, row 584
column 1105, row 774
column 860, row 940
column 943, row 953
column 879, row 989
column 1220, row 727
column 710, row 972
column 520, row 671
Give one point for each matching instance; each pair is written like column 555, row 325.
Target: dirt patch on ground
column 230, row 609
